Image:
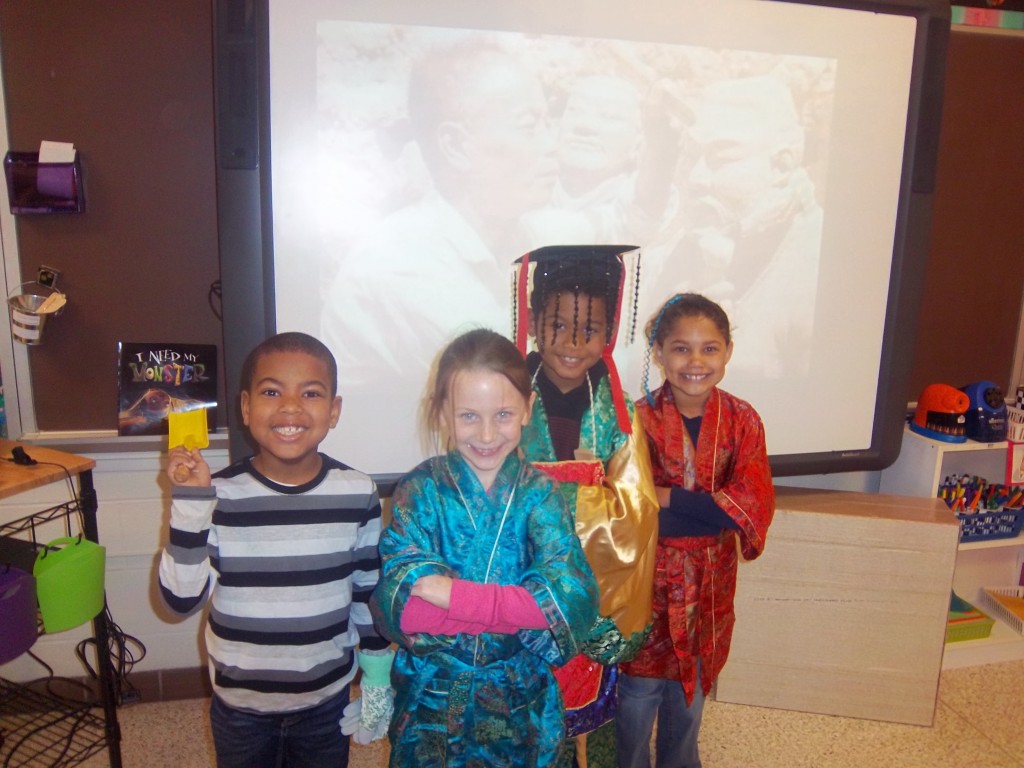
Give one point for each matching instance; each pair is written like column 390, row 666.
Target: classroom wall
column 131, row 85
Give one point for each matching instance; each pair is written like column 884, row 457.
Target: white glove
column 368, row 719
column 362, row 729
column 378, row 707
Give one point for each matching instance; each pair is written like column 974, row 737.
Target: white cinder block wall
column 134, row 505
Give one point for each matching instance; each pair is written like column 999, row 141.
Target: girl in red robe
column 714, row 486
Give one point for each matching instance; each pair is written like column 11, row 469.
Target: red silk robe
column 695, row 577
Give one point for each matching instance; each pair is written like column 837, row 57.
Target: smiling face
column 693, row 355
column 600, row 129
column 501, row 143
column 571, row 333
column 289, row 409
column 749, row 137
column 484, row 415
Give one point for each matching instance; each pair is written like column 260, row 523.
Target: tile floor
column 979, row 723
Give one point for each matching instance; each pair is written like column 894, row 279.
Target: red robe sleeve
column 732, row 464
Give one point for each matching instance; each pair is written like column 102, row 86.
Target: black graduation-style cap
column 596, row 270
column 550, row 254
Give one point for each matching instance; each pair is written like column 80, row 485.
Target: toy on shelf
column 940, row 413
column 986, row 412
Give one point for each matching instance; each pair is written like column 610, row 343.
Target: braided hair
column 592, row 278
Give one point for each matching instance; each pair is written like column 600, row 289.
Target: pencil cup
column 30, row 305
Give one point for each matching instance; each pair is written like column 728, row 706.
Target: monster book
column 156, row 379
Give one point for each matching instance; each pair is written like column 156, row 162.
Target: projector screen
column 772, row 155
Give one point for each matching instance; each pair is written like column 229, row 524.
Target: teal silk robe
column 487, row 700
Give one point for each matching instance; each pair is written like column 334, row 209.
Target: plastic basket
column 990, row 524
column 965, row 622
column 978, row 630
column 1003, row 612
column 69, row 582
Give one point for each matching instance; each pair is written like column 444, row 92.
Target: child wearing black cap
column 585, row 433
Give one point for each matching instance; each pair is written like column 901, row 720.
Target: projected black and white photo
column 485, row 146
column 416, row 162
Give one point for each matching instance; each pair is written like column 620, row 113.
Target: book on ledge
column 155, row 379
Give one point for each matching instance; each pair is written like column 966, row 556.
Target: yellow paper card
column 187, row 428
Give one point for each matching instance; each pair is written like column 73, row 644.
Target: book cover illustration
column 155, row 379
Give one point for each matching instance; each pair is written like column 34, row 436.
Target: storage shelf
column 921, row 466
column 973, row 445
column 45, row 729
column 1016, row 541
column 1002, row 645
column 38, row 725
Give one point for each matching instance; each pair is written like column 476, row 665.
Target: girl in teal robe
column 482, row 698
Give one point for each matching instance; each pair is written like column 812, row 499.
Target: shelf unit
column 45, row 727
column 922, row 465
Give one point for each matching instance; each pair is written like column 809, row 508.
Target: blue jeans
column 310, row 738
column 641, row 700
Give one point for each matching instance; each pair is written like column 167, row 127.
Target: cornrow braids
column 595, row 279
column 514, row 292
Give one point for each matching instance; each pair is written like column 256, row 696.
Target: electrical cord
column 21, row 458
column 216, row 292
column 120, row 647
column 121, row 658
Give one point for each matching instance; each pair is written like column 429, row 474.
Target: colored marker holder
column 986, row 525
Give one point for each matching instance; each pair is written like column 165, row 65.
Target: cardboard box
column 845, row 612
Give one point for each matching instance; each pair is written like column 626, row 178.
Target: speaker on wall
column 236, row 93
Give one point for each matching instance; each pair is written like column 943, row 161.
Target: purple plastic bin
column 18, row 627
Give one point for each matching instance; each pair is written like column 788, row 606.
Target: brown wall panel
column 975, row 276
column 131, row 84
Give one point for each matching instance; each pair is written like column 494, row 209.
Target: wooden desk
column 20, row 706
column 16, row 478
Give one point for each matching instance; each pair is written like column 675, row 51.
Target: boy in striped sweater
column 284, row 544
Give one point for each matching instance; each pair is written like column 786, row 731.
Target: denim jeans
column 641, row 700
column 310, row 738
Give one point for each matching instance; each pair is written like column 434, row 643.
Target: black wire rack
column 56, row 722
column 43, row 728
